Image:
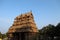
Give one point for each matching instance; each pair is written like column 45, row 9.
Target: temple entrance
column 19, row 36
column 22, row 36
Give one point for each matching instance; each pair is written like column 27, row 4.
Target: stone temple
column 23, row 28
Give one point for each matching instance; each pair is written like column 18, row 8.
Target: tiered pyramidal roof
column 23, row 23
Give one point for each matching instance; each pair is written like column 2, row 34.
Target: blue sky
column 45, row 12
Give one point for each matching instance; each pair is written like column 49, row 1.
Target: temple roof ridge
column 27, row 13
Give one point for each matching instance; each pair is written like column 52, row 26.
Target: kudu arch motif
column 23, row 28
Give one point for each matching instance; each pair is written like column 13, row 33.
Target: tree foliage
column 0, row 35
column 3, row 35
column 50, row 31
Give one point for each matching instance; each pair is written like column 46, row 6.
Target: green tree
column 48, row 31
column 4, row 36
column 57, row 29
column 0, row 35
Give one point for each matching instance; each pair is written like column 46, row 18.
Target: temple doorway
column 22, row 36
column 19, row 36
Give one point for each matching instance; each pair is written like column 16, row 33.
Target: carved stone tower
column 23, row 28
